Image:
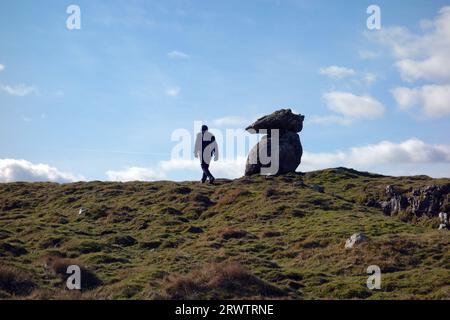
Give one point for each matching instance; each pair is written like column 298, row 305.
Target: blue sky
column 102, row 102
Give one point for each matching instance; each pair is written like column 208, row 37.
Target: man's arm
column 198, row 145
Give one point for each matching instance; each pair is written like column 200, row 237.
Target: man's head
column 204, row 128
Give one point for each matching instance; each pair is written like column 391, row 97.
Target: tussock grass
column 218, row 281
column 141, row 240
column 15, row 282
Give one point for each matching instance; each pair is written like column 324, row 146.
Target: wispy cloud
column 358, row 77
column 368, row 54
column 178, row 55
column 173, row 92
column 328, row 119
column 20, row 90
column 369, row 78
column 2, row 67
column 231, row 121
column 337, row 72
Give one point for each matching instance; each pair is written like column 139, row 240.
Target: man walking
column 205, row 148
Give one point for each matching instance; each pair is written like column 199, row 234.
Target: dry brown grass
column 232, row 196
column 16, row 282
column 58, row 266
column 218, row 280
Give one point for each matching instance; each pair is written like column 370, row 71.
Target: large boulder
column 289, row 156
column 283, row 119
column 285, row 157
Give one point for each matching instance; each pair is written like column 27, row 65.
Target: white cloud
column 178, row 55
column 386, row 155
column 434, row 99
column 383, row 157
column 329, row 119
column 224, row 168
column 432, row 68
column 405, row 97
column 134, row 174
column 173, row 92
column 227, row 168
column 231, row 121
column 337, row 72
column 2, row 67
column 422, row 56
column 22, row 170
column 352, row 106
column 19, row 90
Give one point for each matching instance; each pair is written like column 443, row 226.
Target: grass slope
column 251, row 237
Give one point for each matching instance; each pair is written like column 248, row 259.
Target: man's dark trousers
column 206, row 173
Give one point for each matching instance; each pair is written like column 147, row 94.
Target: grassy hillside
column 277, row 237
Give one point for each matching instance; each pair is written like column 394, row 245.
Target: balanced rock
column 276, row 153
column 283, row 119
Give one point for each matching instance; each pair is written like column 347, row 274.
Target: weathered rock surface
column 289, row 155
column 427, row 200
column 265, row 157
column 356, row 238
column 283, row 120
column 443, row 217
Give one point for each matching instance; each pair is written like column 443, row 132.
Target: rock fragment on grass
column 443, row 217
column 356, row 238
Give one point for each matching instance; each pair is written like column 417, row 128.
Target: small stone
column 443, row 217
column 356, row 238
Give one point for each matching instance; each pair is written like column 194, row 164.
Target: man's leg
column 205, row 174
column 208, row 173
